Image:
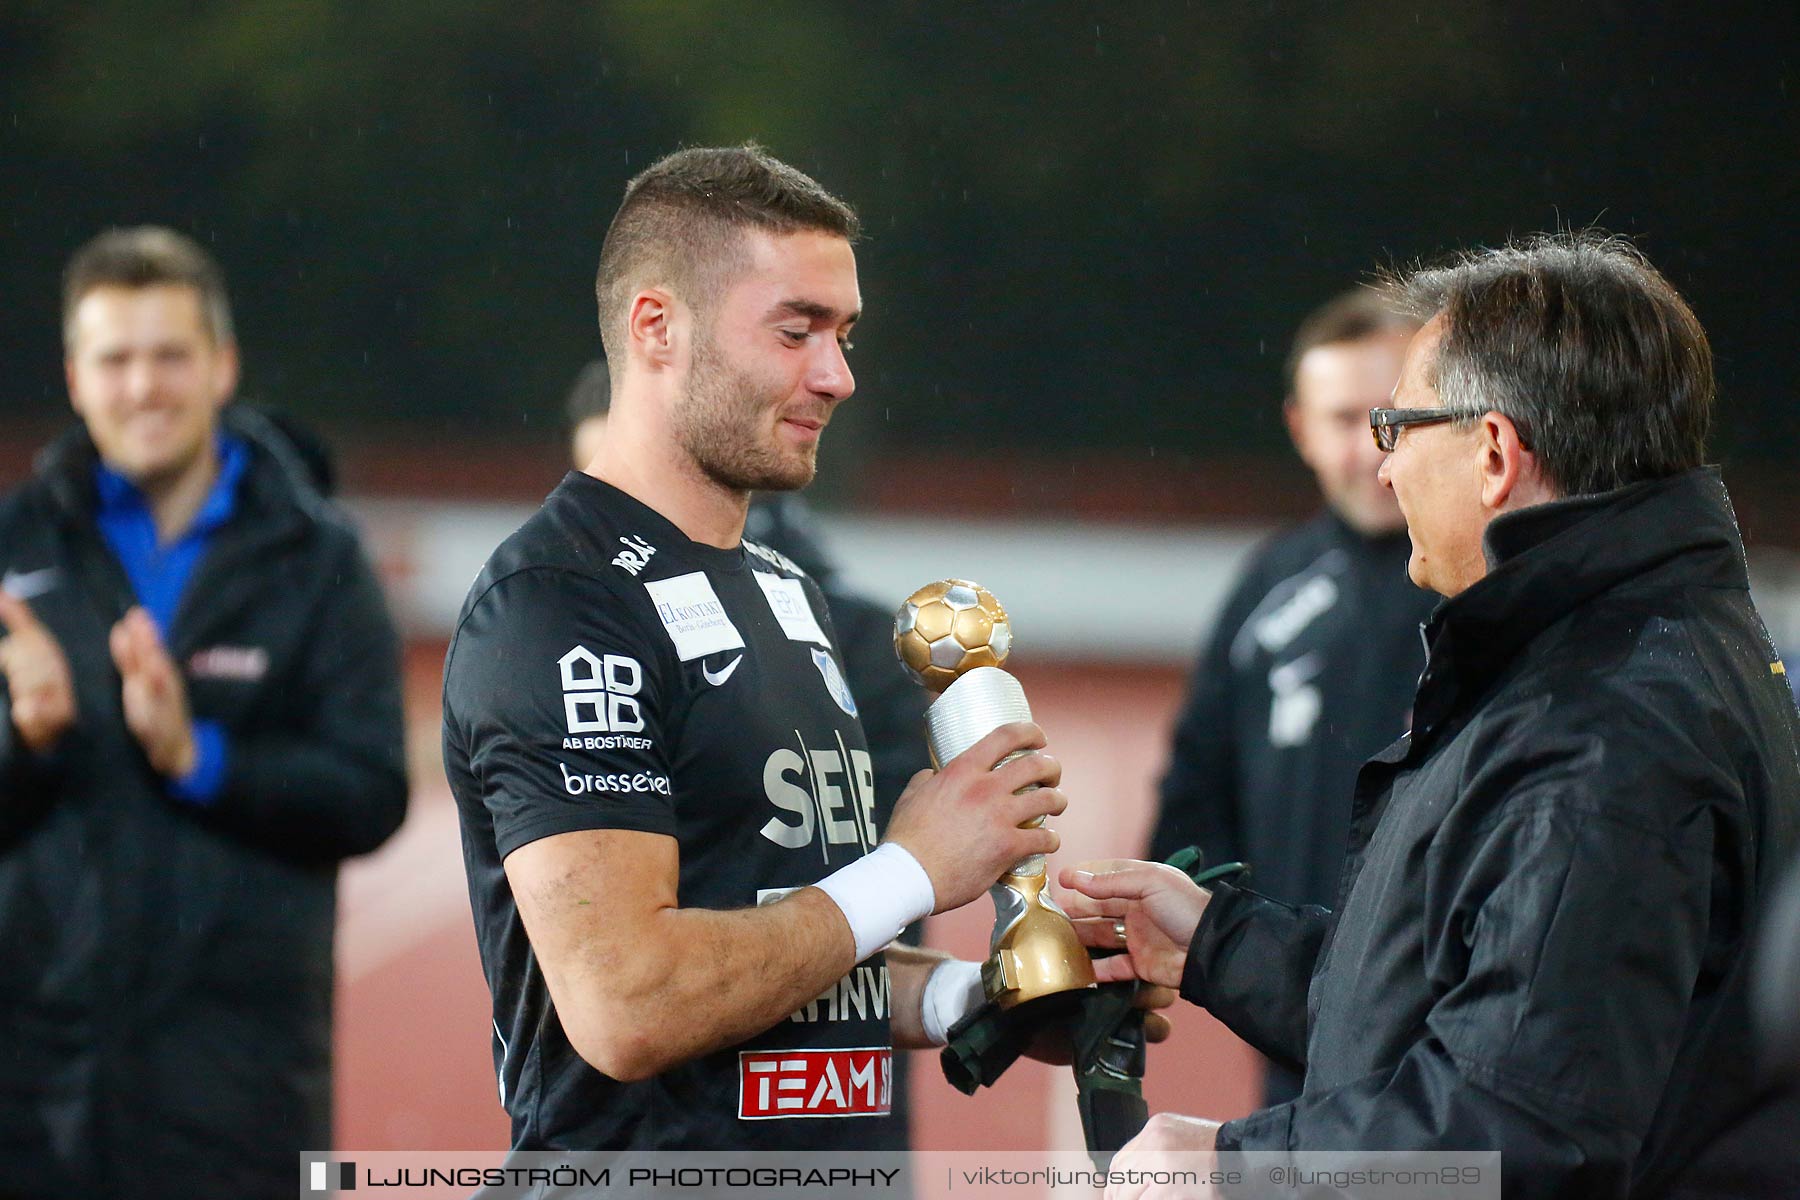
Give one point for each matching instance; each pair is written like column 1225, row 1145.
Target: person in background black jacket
column 1546, row 939
column 1311, row 663
column 200, row 717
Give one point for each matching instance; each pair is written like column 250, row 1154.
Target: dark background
column 1092, row 228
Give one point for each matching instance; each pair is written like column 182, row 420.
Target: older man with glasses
column 1545, row 939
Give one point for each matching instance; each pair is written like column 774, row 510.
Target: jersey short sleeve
column 558, row 696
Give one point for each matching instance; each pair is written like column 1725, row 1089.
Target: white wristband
column 952, row 992
column 880, row 894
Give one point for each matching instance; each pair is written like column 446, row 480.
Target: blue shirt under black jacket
column 159, row 576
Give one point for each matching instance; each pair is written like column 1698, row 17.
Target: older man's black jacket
column 1543, row 938
column 166, row 970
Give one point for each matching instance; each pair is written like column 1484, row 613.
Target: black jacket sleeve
column 1198, row 793
column 1578, row 937
column 26, row 780
column 334, row 786
column 1250, row 964
column 27, row 787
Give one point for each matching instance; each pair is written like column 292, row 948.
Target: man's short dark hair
column 147, row 256
column 1594, row 356
column 1352, row 316
column 682, row 220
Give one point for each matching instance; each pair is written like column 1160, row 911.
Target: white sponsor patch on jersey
column 600, row 692
column 787, row 600
column 690, row 610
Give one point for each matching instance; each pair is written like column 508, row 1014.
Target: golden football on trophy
column 949, row 627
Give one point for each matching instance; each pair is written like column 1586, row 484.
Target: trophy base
column 1035, row 951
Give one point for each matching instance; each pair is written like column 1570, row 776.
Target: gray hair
column 1593, row 355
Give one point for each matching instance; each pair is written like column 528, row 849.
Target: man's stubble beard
column 719, row 422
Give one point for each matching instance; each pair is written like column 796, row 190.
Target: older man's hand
column 1169, row 1144
column 1148, row 910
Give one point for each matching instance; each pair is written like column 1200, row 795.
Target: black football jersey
column 609, row 673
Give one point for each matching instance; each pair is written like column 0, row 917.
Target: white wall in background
column 1099, row 591
column 1090, row 590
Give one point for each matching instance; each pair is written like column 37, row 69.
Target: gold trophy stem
column 1035, row 950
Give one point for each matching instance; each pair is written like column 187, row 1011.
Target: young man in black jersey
column 667, row 801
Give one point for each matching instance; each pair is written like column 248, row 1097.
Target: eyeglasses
column 1386, row 423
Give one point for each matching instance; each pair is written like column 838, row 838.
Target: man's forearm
column 699, row 980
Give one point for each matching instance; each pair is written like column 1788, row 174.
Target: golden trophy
column 953, row 636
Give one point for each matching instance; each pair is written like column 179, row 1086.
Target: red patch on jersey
column 815, row 1083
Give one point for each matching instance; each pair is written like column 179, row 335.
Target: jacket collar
column 1547, row 560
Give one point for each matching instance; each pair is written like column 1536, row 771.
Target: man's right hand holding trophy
column 1036, row 991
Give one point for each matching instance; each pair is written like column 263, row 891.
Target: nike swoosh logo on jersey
column 26, row 585
column 717, row 677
